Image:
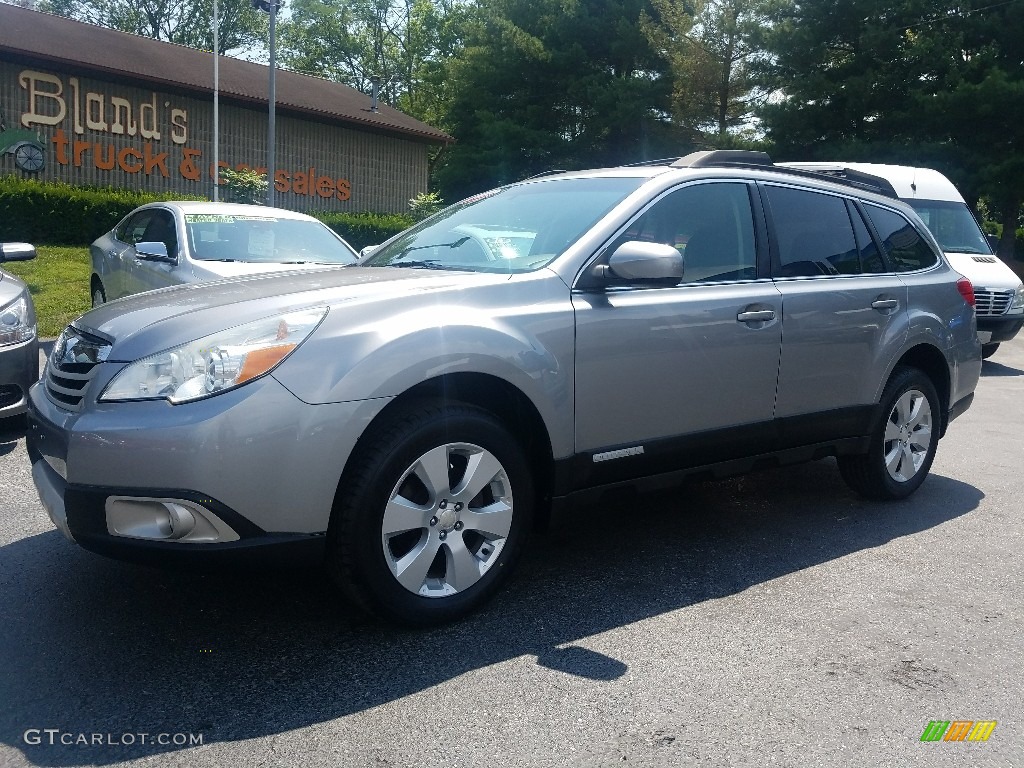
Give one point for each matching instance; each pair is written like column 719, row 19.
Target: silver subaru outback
column 405, row 420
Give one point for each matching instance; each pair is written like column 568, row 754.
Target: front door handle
column 757, row 316
column 884, row 304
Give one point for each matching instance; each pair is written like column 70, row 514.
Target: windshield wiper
column 424, row 264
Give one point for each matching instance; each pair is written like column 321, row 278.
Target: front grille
column 991, row 303
column 72, row 365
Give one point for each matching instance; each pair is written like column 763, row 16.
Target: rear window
column 907, row 249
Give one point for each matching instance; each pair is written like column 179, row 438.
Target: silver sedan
column 170, row 243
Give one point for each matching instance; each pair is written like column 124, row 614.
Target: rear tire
column 431, row 514
column 987, row 350
column 903, row 443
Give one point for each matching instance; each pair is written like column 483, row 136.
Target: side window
column 710, row 224
column 870, row 258
column 161, row 230
column 134, row 228
column 813, row 232
column 907, row 249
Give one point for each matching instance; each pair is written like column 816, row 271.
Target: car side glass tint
column 870, row 257
column 907, row 249
column 813, row 232
column 710, row 224
column 134, row 231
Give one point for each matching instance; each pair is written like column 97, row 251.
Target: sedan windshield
column 953, row 226
column 264, row 240
column 513, row 229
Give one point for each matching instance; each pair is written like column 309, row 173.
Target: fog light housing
column 157, row 519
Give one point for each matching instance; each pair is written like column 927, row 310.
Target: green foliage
column 243, row 186
column 550, row 84
column 60, row 214
column 185, row 23
column 363, row 229
column 58, row 279
column 915, row 82
column 425, row 204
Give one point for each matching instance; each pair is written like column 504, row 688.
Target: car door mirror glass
column 642, row 262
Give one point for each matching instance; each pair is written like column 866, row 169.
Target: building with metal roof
column 94, row 106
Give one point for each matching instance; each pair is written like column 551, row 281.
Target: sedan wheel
column 903, row 443
column 98, row 297
column 430, row 515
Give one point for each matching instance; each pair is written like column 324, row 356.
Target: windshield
column 513, row 229
column 264, row 240
column 953, row 226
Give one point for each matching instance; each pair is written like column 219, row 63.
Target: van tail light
column 966, row 290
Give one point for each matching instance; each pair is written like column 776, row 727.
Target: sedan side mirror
column 154, row 252
column 367, row 251
column 640, row 262
column 17, row 251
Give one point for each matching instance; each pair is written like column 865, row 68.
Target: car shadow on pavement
column 990, row 368
column 94, row 646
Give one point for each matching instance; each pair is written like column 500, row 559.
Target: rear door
column 845, row 315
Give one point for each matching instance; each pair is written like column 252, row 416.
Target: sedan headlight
column 215, row 363
column 14, row 322
column 1017, row 302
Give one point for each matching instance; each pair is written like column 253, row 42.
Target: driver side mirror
column 643, row 263
column 148, row 251
column 17, row 252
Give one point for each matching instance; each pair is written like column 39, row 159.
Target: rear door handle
column 884, row 304
column 757, row 316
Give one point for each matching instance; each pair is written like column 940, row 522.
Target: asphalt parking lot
column 775, row 619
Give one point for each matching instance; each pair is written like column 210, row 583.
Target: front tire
column 99, row 296
column 902, row 444
column 430, row 515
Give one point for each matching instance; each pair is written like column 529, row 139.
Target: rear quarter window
column 906, row 247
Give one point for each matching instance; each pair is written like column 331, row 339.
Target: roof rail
column 847, row 176
column 718, row 157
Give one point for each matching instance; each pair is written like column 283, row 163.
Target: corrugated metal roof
column 49, row 38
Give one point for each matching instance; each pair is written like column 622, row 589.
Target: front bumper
column 992, row 330
column 254, row 471
column 19, row 370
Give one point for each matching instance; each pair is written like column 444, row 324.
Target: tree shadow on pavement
column 97, row 646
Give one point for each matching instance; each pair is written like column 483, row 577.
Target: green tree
column 715, row 48
column 395, row 42
column 912, row 81
column 554, row 84
column 186, row 22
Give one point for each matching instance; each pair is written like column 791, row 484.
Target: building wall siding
column 165, row 143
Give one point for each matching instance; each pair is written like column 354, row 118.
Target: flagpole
column 216, row 105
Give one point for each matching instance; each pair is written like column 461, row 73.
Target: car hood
column 10, row 287
column 146, row 323
column 985, row 272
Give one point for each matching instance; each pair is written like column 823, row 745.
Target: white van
column 997, row 289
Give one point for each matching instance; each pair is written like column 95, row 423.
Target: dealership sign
column 152, row 137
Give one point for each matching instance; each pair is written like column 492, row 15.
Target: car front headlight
column 14, row 322
column 214, row 363
column 1017, row 302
